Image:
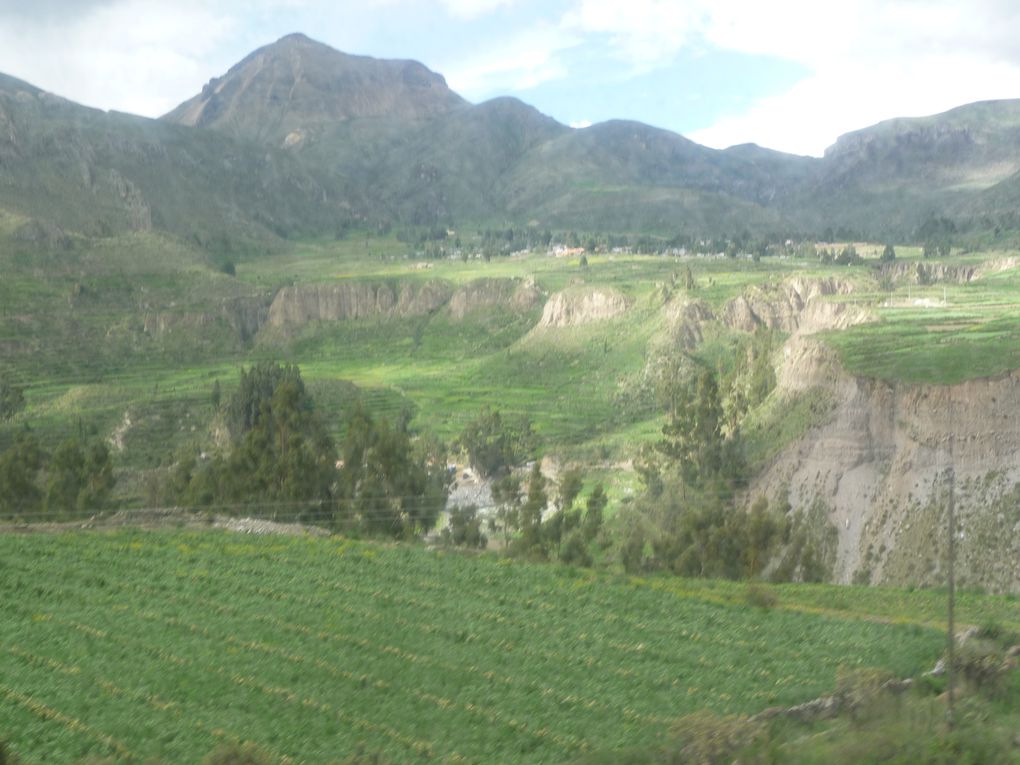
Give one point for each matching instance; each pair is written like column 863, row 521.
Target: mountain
column 902, row 173
column 99, row 173
column 285, row 92
column 299, row 139
column 394, row 134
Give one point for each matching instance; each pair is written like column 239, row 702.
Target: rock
column 355, row 300
column 687, row 320
column 519, row 295
column 582, row 305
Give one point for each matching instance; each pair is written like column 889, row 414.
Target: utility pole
column 951, row 578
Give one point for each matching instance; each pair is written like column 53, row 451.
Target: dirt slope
column 880, row 463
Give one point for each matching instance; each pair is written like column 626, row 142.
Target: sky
column 790, row 75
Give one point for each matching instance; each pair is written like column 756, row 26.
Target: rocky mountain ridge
column 299, row 139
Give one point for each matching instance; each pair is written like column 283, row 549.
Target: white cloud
column 870, row 61
column 518, row 63
column 138, row 56
column 645, row 33
column 472, row 9
column 581, row 125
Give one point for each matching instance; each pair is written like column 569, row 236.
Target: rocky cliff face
column 779, row 306
column 582, row 305
column 879, row 467
column 794, row 305
column 356, row 300
column 518, row 295
column 369, row 300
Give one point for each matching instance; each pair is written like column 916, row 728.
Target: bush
column 760, row 596
column 238, row 754
column 982, row 665
column 7, row 757
column 574, row 550
column 704, row 738
column 465, row 529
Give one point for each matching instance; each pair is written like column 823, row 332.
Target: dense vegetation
column 142, row 645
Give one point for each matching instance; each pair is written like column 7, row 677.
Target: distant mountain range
column 299, row 139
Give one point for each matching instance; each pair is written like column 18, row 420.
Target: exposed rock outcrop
column 687, row 320
column 795, row 305
column 779, row 306
column 244, row 316
column 356, row 300
column 880, row 465
column 482, row 294
column 582, row 305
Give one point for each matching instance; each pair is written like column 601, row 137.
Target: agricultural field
column 142, row 645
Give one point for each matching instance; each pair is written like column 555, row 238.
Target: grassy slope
column 73, row 329
column 166, row 642
column 922, row 339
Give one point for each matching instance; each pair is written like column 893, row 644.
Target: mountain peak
column 284, row 92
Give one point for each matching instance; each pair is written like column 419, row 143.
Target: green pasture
column 942, row 333
column 157, row 646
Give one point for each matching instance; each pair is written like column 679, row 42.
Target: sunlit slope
column 161, row 645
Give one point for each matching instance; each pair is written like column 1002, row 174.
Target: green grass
column 142, row 645
column 941, row 334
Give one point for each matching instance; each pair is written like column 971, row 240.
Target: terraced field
column 160, row 645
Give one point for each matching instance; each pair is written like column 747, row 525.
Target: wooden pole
column 951, row 578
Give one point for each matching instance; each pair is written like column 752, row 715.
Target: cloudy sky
column 787, row 74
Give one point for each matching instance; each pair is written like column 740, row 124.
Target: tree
column 531, row 511
column 494, row 443
column 594, row 510
column 12, row 399
column 19, row 469
column 506, row 493
column 280, row 451
column 569, row 487
column 465, row 528
column 888, row 254
column 693, row 435
column 256, row 388
column 78, row 477
column 389, row 485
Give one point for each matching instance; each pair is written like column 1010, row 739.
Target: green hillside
column 162, row 644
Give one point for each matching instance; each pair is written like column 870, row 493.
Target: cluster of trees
column 380, row 479
column 494, row 444
column 936, row 249
column 686, row 520
column 76, row 477
column 847, row 256
column 528, row 530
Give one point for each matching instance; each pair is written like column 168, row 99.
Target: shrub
column 574, row 550
column 238, row 754
column 760, row 596
column 7, row 757
column 704, row 738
